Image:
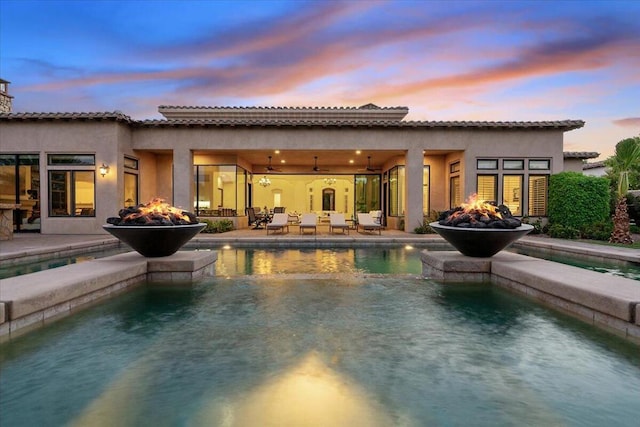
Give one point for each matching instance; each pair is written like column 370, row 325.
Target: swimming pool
column 349, row 346
column 58, row 261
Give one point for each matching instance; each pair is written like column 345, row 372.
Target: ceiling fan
column 315, row 165
column 369, row 168
column 270, row 168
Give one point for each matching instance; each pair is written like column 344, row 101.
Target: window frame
column 71, row 185
column 480, row 167
column 516, row 164
column 496, row 183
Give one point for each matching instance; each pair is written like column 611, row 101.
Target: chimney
column 5, row 98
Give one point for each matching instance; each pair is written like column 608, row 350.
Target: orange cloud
column 629, row 122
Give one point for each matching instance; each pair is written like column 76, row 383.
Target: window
column 241, row 190
column 454, row 167
column 425, row 189
column 487, row 164
column 130, row 189
column 539, row 164
column 367, row 196
column 487, row 188
column 454, row 192
column 396, row 191
column 130, row 163
column 71, row 160
column 538, row 191
column 218, row 187
column 72, row 188
column 20, row 184
column 513, row 164
column 71, row 193
column 512, row 193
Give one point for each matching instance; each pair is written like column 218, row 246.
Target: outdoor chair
column 278, row 209
column 367, row 223
column 254, row 220
column 337, row 222
column 309, row 221
column 376, row 216
column 280, row 221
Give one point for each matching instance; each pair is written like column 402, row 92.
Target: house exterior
column 71, row 171
column 594, row 169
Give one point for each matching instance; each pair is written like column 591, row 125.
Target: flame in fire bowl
column 480, row 242
column 480, row 229
column 154, row 229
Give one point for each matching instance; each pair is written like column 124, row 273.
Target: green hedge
column 577, row 200
column 221, row 226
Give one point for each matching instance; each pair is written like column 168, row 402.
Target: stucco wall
column 77, row 137
column 159, row 149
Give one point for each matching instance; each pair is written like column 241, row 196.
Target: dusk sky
column 445, row 60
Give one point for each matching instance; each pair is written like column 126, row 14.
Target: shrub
column 597, row 230
column 425, row 228
column 221, row 226
column 539, row 227
column 577, row 200
column 560, row 231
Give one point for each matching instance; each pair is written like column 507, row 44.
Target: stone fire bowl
column 480, row 242
column 155, row 240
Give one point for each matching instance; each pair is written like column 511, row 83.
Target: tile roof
column 115, row 115
column 271, row 108
column 580, row 154
column 564, row 125
column 593, row 165
column 365, row 112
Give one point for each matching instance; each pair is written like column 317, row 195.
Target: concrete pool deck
column 603, row 300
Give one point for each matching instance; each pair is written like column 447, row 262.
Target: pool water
column 243, row 261
column 334, row 348
column 47, row 264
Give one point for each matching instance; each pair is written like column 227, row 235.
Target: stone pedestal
column 6, row 220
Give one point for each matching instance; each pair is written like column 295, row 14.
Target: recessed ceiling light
column 358, row 152
column 351, row 161
column 277, row 151
column 283, row 161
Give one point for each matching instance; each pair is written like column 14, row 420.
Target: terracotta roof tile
column 564, row 125
column 580, row 154
column 116, row 115
column 593, row 165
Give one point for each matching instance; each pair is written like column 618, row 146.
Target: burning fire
column 479, row 214
column 157, row 207
column 480, row 208
column 156, row 212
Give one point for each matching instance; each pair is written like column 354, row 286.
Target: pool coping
column 608, row 302
column 32, row 300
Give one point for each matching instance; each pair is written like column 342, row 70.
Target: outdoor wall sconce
column 104, row 169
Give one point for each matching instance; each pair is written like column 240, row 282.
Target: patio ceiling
column 297, row 161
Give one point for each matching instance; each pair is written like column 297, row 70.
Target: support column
column 414, row 162
column 183, row 178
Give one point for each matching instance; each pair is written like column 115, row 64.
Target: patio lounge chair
column 280, row 221
column 310, row 221
column 367, row 223
column 337, row 222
